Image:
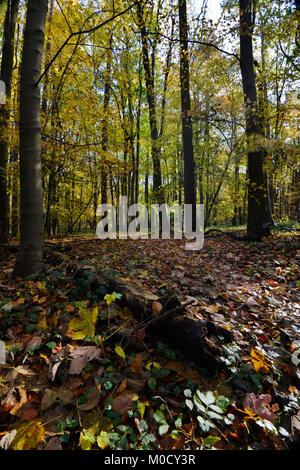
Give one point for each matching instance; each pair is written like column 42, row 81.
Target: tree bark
column 31, row 207
column 187, row 131
column 6, row 77
column 107, row 91
column 257, row 194
column 158, row 195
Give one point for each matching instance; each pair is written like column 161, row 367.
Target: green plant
column 208, row 408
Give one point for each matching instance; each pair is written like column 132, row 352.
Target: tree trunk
column 138, row 132
column 48, row 58
column 107, row 91
column 257, row 196
column 31, row 207
column 187, row 131
column 6, row 77
column 149, row 79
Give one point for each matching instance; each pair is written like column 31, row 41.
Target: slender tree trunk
column 14, row 158
column 107, row 91
column 31, row 208
column 147, row 188
column 138, row 132
column 166, row 77
column 47, row 56
column 257, row 196
column 263, row 113
column 187, row 131
column 6, row 77
column 149, row 79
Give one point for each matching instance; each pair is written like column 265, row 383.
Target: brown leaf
column 156, row 307
column 93, row 399
column 30, row 413
column 81, row 356
column 35, row 341
column 53, row 444
column 122, row 404
column 24, row 370
column 23, row 399
column 122, row 386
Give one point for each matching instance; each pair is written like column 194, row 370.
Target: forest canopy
column 154, row 108
column 111, row 115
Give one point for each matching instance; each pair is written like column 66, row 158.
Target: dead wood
column 172, row 324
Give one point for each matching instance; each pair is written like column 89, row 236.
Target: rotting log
column 199, row 340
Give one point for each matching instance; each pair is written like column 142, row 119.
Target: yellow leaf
column 28, row 436
column 41, row 287
column 260, row 363
column 86, row 440
column 42, row 324
column 85, row 325
column 120, row 352
column 150, row 365
column 103, row 440
column 141, row 408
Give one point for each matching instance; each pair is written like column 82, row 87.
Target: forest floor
column 69, row 382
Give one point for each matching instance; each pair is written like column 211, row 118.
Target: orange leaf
column 156, row 307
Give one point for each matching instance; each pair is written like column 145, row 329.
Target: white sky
column 213, row 8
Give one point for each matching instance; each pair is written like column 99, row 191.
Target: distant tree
column 6, row 77
column 149, row 79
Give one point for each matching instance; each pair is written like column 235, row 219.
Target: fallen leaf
column 85, row 325
column 156, row 307
column 93, row 398
column 122, row 404
column 53, row 444
column 28, row 436
column 81, row 356
column 260, row 363
column 24, row 370
column 23, row 399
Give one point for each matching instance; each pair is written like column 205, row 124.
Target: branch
column 202, row 43
column 288, row 57
column 79, row 33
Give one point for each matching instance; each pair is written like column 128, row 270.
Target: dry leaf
column 156, row 307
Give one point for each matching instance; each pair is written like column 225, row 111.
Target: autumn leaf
column 24, row 370
column 103, row 440
column 260, row 406
column 122, row 403
column 156, row 307
column 85, row 325
column 81, row 356
column 93, row 398
column 23, row 399
column 137, row 362
column 86, row 440
column 120, row 352
column 150, row 365
column 122, row 386
column 29, row 435
column 260, row 363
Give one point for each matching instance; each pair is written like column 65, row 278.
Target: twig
column 158, row 318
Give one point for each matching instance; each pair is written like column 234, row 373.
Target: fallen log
column 172, row 324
